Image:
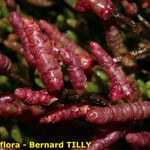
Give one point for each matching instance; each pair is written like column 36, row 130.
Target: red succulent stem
column 6, row 97
column 114, row 40
column 33, row 111
column 105, row 142
column 8, row 109
column 76, row 72
column 11, row 5
column 109, row 134
column 5, row 64
column 103, row 8
column 119, row 113
column 55, row 34
column 6, row 69
column 130, row 7
column 16, row 21
column 140, row 139
column 86, row 61
column 83, row 5
column 63, row 41
column 122, row 87
column 12, row 109
column 41, row 97
column 146, row 4
column 66, row 113
column 47, row 66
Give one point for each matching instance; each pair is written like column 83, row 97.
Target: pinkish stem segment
column 5, row 64
column 41, row 97
column 12, row 109
column 130, row 7
column 16, row 21
column 11, row 4
column 47, row 66
column 8, row 109
column 146, row 4
column 122, row 87
column 77, row 76
column 6, row 97
column 103, row 8
column 105, row 142
column 114, row 40
column 140, row 139
column 119, row 113
column 6, row 69
column 66, row 113
column 66, row 42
